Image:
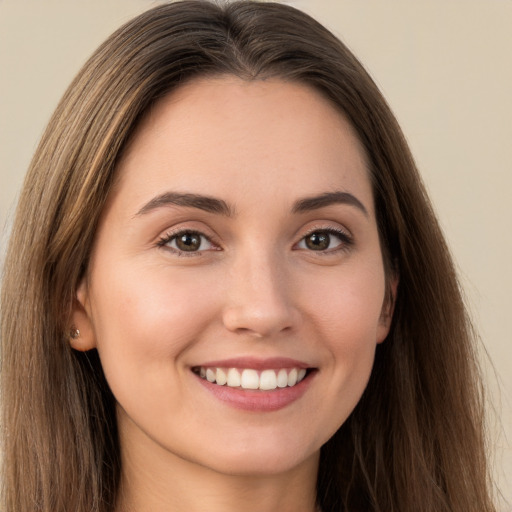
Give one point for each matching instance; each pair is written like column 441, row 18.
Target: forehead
column 225, row 135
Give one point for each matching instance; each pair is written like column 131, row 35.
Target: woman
column 226, row 287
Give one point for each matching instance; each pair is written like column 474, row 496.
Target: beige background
column 445, row 67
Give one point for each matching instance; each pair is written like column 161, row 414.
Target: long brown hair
column 415, row 442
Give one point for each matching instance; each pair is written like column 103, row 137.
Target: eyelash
column 169, row 237
column 346, row 241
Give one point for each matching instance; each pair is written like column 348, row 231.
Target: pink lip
column 272, row 363
column 257, row 400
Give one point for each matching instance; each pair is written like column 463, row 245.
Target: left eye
column 187, row 241
column 323, row 240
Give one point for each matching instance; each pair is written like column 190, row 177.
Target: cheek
column 348, row 304
column 148, row 318
column 346, row 309
column 144, row 327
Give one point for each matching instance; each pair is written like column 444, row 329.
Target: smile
column 249, row 378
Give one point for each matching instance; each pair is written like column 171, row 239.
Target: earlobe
column 81, row 333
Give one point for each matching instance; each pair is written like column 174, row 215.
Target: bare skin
column 241, row 234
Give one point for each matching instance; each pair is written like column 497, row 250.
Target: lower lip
column 257, row 400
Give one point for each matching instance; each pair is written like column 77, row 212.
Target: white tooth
column 250, row 379
column 210, row 375
column 282, row 378
column 233, row 378
column 268, row 379
column 221, row 377
column 292, row 377
column 202, row 372
column 300, row 375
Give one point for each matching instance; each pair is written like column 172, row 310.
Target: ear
column 82, row 336
column 387, row 309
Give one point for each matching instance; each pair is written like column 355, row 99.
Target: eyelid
column 172, row 234
column 342, row 233
column 346, row 238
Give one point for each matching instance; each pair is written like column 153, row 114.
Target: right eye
column 186, row 241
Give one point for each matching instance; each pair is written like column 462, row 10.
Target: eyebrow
column 206, row 203
column 218, row 206
column 320, row 201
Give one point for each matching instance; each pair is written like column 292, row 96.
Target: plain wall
column 444, row 66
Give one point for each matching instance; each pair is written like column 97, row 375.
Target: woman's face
column 238, row 254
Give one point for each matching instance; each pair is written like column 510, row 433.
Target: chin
column 251, row 464
column 257, row 453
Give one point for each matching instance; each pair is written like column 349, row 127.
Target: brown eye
column 318, row 241
column 187, row 242
column 325, row 240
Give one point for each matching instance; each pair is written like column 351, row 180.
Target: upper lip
column 255, row 363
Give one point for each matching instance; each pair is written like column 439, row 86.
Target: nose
column 258, row 298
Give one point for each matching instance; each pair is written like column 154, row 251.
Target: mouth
column 253, row 379
column 255, row 384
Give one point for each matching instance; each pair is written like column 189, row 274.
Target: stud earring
column 74, row 333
